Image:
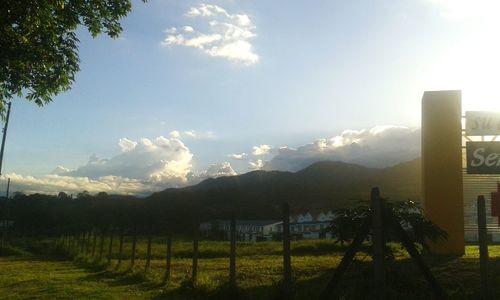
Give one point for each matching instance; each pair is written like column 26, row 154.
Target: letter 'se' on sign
column 483, row 157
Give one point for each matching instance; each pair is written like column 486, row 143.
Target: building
column 302, row 226
column 246, row 230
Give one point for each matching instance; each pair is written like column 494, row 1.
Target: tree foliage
column 409, row 214
column 39, row 45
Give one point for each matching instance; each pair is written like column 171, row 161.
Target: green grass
column 259, row 272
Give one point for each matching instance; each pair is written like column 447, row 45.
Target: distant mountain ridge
column 321, row 186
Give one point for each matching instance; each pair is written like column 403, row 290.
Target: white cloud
column 190, row 133
column 187, row 29
column 52, row 184
column 379, row 146
column 218, row 170
column 256, row 165
column 163, row 159
column 175, row 134
column 225, row 35
column 261, row 150
column 127, row 145
column 171, row 30
column 240, row 156
column 60, row 170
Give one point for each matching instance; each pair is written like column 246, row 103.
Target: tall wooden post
column 168, row 258
column 287, row 263
column 87, row 244
column 94, row 242
column 148, row 253
column 378, row 243
column 120, row 247
column 82, row 245
column 194, row 273
column 232, row 254
column 483, row 246
column 110, row 247
column 4, row 136
column 132, row 256
column 101, row 244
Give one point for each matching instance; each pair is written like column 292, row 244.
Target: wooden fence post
column 94, row 242
column 134, row 242
column 194, row 273
column 110, row 248
column 232, row 254
column 483, row 246
column 378, row 243
column 148, row 253
column 87, row 245
column 82, row 246
column 168, row 258
column 101, row 244
column 120, row 247
column 78, row 242
column 287, row 262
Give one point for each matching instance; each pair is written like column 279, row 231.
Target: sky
column 198, row 89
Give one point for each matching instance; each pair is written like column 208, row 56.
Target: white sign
column 482, row 123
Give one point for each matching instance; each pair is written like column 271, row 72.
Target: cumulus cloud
column 224, row 35
column 261, row 150
column 141, row 167
column 240, row 156
column 52, row 184
column 213, row 171
column 175, row 134
column 162, row 160
column 379, row 146
column 256, row 165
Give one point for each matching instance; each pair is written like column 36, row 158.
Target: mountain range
column 322, row 186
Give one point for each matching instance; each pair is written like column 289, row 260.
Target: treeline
column 40, row 214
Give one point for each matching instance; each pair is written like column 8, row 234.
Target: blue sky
column 241, row 74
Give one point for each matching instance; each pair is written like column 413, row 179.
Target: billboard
column 483, row 157
column 482, row 123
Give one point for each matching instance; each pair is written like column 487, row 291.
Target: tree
column 348, row 221
column 39, row 46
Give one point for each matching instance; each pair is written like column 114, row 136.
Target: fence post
column 120, row 248
column 232, row 254
column 169, row 257
column 101, row 244
column 287, row 265
column 483, row 246
column 194, row 273
column 378, row 243
column 94, row 242
column 134, row 242
column 82, row 246
column 148, row 253
column 110, row 248
column 87, row 244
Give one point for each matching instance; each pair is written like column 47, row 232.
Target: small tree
column 348, row 221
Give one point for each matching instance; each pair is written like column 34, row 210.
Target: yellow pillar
column 442, row 167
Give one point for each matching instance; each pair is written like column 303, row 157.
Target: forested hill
column 321, row 186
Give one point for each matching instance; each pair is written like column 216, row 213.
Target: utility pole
column 8, row 187
column 4, row 136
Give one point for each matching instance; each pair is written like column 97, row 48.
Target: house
column 246, row 230
column 302, row 226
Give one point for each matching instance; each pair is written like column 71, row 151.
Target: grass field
column 259, row 271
